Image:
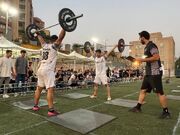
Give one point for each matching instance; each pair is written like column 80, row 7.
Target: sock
column 35, row 105
column 138, row 106
column 51, row 109
column 165, row 110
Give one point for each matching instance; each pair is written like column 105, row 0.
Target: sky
column 110, row 20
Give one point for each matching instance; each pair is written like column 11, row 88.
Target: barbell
column 67, row 20
column 121, row 46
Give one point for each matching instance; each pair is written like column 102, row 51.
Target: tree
column 177, row 63
column 77, row 47
column 177, row 67
column 113, row 55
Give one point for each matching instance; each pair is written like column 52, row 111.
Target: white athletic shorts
column 101, row 79
column 46, row 78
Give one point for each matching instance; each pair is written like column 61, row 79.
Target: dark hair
column 23, row 51
column 98, row 51
column 8, row 51
column 144, row 34
column 53, row 38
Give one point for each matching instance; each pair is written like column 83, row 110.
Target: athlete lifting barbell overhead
column 45, row 73
column 100, row 66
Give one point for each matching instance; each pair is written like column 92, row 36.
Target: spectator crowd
column 18, row 77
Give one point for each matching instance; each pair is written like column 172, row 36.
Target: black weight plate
column 30, row 31
column 63, row 15
column 121, row 45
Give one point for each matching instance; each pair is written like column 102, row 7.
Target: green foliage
column 177, row 63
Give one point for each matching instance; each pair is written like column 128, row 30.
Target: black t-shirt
column 80, row 76
column 153, row 67
column 60, row 76
column 108, row 72
column 30, row 73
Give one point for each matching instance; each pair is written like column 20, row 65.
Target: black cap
column 145, row 34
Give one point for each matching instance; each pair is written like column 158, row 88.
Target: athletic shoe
column 6, row 96
column 43, row 91
column 165, row 115
column 24, row 93
column 36, row 108
column 93, row 96
column 135, row 109
column 16, row 94
column 109, row 99
column 52, row 113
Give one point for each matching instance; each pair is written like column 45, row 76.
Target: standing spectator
column 6, row 68
column 21, row 68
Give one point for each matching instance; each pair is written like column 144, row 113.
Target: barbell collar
column 74, row 17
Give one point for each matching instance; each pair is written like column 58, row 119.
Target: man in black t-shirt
column 153, row 75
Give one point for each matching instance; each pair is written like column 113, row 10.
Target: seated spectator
column 30, row 70
column 72, row 80
column 89, row 79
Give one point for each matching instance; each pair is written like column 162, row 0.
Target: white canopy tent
column 6, row 44
column 76, row 57
column 73, row 57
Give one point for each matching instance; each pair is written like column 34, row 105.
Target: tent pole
column 74, row 65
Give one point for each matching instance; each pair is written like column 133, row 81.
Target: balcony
column 22, row 2
column 21, row 19
column 2, row 30
column 2, row 20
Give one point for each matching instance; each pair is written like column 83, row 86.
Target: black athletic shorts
column 153, row 82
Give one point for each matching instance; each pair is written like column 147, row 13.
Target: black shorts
column 153, row 82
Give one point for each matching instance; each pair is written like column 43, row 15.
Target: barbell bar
column 121, row 46
column 67, row 20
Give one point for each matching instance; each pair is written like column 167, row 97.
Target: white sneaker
column 93, row 96
column 43, row 91
column 5, row 96
column 16, row 94
column 24, row 94
column 109, row 99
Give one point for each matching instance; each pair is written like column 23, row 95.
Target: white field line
column 176, row 126
column 28, row 127
column 128, row 95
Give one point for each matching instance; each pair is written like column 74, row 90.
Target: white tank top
column 48, row 57
column 100, row 64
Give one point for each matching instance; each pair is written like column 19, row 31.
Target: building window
column 23, row 1
column 21, row 26
column 2, row 26
column 22, row 7
column 22, row 16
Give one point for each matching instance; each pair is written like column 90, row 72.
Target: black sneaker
column 135, row 109
column 165, row 115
